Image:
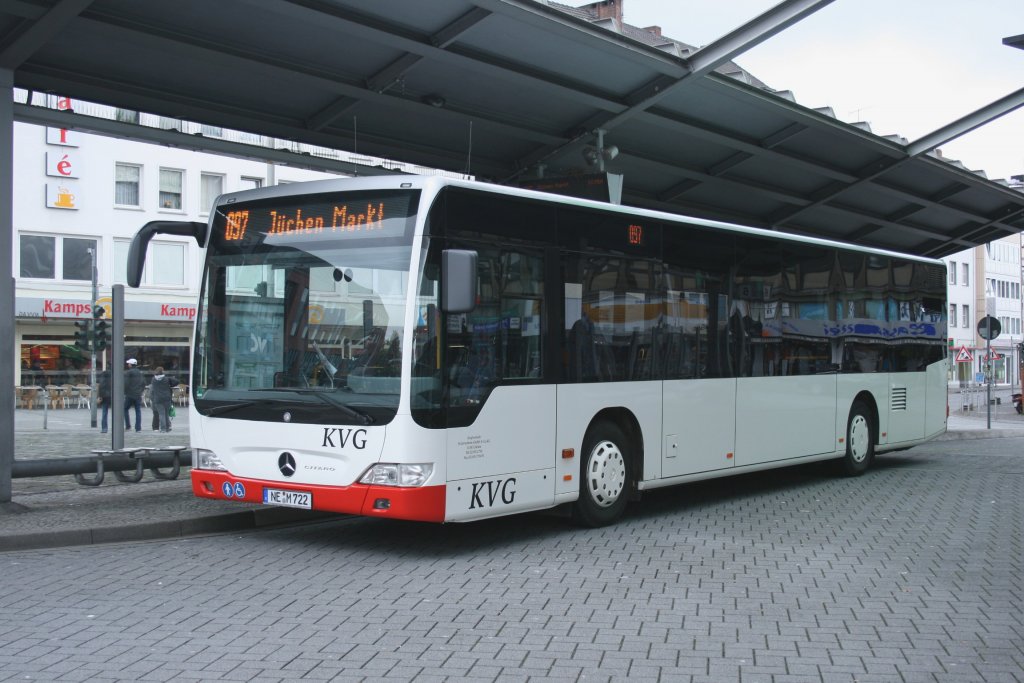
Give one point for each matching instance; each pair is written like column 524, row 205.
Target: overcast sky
column 906, row 67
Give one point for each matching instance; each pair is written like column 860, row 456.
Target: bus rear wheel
column 606, row 477
column 860, row 442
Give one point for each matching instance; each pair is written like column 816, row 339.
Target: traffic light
column 82, row 336
column 101, row 335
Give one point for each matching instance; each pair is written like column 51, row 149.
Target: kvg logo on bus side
column 486, row 493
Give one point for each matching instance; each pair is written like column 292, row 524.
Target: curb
column 242, row 520
column 971, row 434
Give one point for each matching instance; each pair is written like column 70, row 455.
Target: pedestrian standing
column 133, row 386
column 160, row 396
column 103, row 396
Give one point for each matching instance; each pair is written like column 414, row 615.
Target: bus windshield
column 303, row 307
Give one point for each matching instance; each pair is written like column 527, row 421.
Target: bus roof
column 431, row 185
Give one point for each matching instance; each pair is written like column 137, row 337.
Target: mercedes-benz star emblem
column 286, row 463
column 287, row 417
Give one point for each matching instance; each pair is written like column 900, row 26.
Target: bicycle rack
column 140, row 456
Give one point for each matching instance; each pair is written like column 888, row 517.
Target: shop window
column 47, row 361
column 43, row 256
column 171, row 183
column 127, row 184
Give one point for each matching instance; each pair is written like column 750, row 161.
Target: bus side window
column 500, row 341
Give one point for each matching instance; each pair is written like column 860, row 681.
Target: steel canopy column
column 6, row 283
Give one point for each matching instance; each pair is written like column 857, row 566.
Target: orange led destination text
column 237, row 222
column 342, row 219
column 636, row 234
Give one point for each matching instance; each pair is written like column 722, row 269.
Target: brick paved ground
column 910, row 573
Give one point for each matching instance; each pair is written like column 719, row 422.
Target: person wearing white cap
column 133, row 385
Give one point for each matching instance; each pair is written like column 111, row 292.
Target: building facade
column 960, row 270
column 79, row 200
column 985, row 281
column 1001, row 291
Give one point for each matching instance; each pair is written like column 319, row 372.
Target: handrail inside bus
column 137, row 250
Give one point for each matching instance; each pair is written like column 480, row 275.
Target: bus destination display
column 352, row 219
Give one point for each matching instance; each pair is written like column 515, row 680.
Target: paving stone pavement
column 909, row 573
column 57, row 511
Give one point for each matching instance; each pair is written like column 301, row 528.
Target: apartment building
column 960, row 270
column 78, row 201
column 984, row 281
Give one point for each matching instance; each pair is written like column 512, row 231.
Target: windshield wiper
column 227, row 408
column 351, row 412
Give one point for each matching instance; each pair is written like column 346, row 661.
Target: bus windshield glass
column 303, row 306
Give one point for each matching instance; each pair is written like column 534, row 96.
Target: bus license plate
column 291, row 499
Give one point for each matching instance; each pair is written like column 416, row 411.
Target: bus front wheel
column 606, row 477
column 860, row 441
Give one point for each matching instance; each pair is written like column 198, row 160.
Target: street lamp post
column 92, row 365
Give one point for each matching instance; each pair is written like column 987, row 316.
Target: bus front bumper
column 423, row 503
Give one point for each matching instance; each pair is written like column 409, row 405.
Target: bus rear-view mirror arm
column 458, row 280
column 137, row 250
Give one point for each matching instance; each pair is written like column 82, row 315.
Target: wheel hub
column 860, row 435
column 606, row 474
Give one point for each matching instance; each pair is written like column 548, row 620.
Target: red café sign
column 134, row 310
column 74, row 309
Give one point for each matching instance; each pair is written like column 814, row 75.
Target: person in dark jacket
column 103, row 396
column 160, row 396
column 133, row 386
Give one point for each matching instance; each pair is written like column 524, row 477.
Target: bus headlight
column 203, row 459
column 395, row 474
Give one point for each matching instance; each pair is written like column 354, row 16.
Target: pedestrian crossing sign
column 963, row 355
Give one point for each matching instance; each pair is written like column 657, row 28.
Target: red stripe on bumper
column 423, row 504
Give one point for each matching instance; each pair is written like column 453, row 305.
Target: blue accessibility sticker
column 239, row 490
column 228, row 490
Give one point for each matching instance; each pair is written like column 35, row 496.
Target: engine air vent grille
column 899, row 398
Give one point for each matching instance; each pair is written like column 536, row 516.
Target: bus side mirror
column 137, row 250
column 458, row 280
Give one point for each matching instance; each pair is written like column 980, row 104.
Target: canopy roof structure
column 503, row 88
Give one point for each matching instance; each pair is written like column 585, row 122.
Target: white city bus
column 442, row 350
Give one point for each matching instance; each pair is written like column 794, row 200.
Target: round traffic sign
column 989, row 327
